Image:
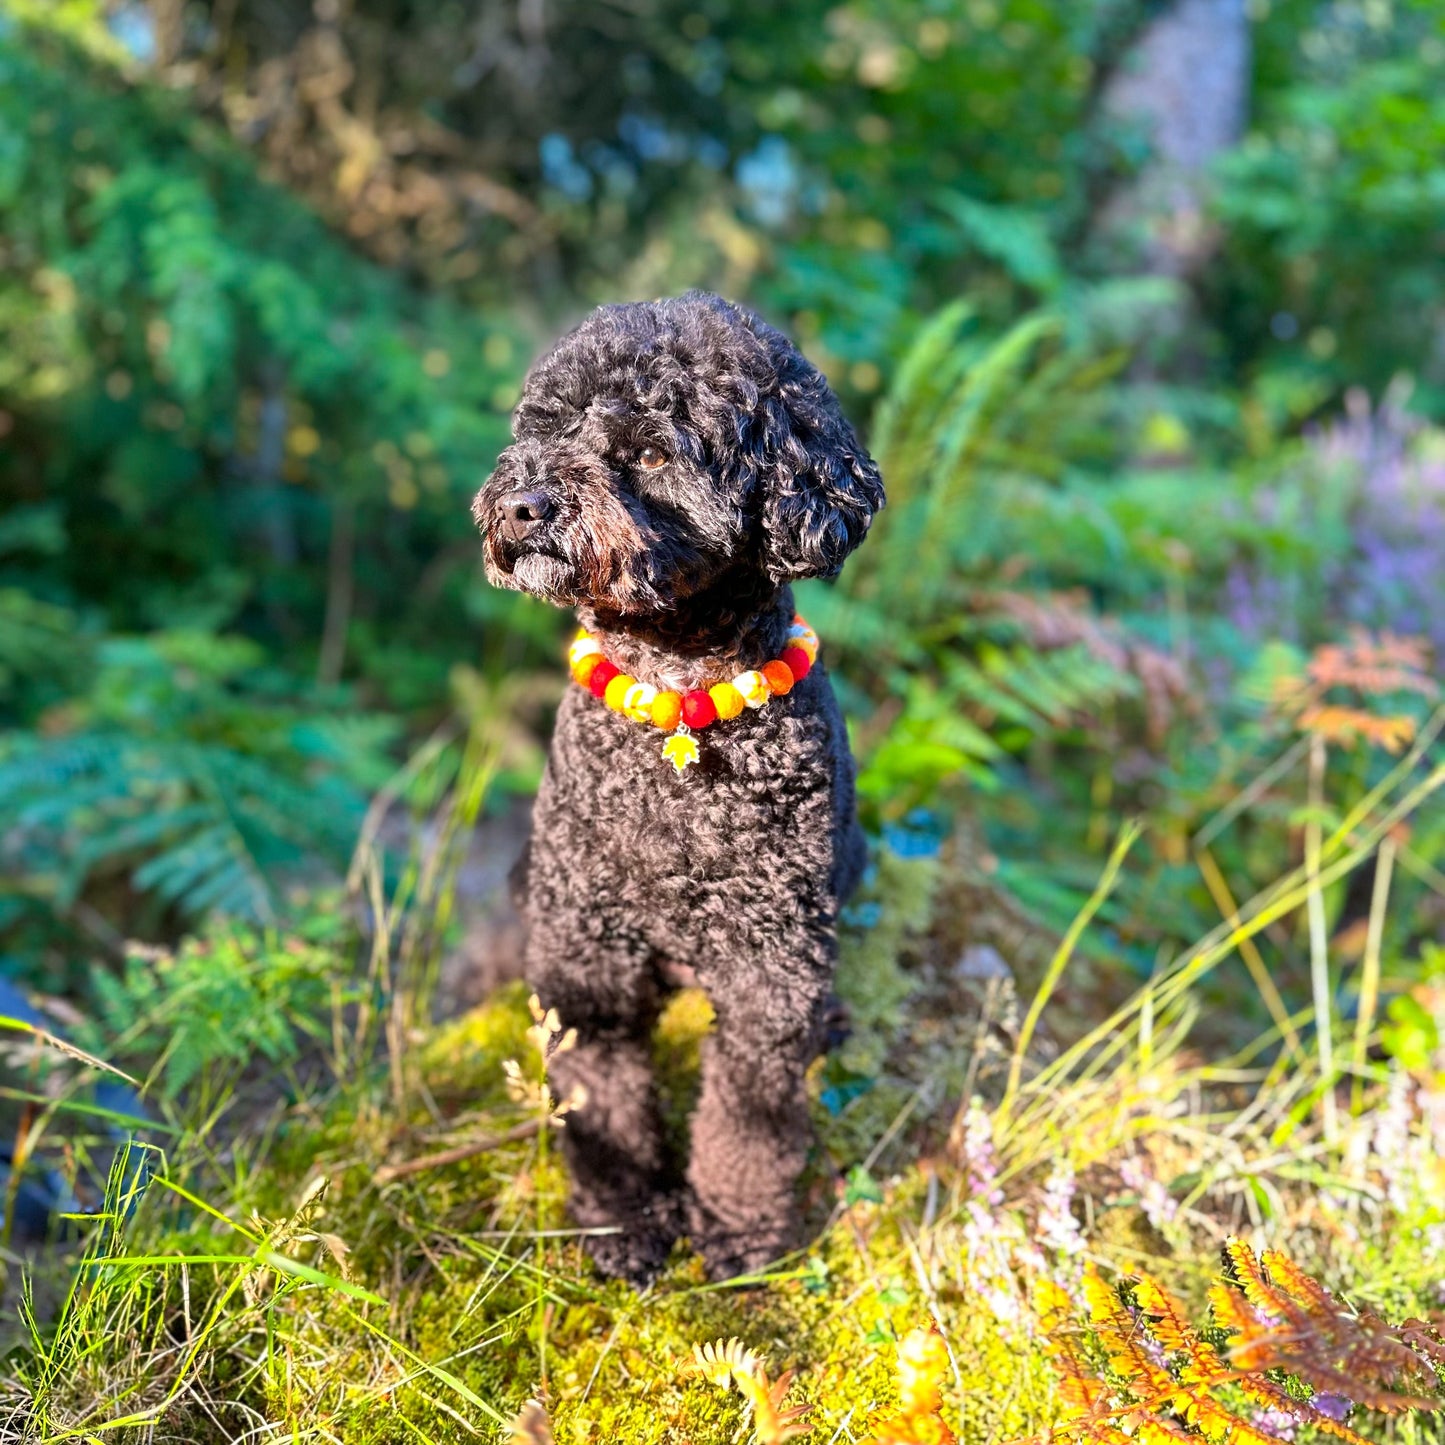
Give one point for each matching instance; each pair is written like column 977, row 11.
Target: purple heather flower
column 980, row 1161
column 1398, row 516
column 1393, row 470
column 988, row 1248
column 1333, row 1407
column 1392, row 1139
column 1057, row 1228
column 1159, row 1206
column 1278, row 1423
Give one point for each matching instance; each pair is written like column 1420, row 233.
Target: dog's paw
column 636, row 1248
column 732, row 1254
column 630, row 1255
column 724, row 1260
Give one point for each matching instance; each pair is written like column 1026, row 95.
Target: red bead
column 602, row 674
column 797, row 662
column 698, row 709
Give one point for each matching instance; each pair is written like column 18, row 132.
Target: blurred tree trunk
column 276, row 519
column 168, row 17
column 1185, row 83
column 340, row 587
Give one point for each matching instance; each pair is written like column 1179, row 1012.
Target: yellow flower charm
column 680, row 750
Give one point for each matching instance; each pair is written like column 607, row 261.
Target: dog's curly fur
column 732, row 873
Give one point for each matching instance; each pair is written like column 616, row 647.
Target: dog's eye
column 649, row 459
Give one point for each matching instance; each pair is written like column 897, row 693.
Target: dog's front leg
column 607, row 990
column 751, row 1131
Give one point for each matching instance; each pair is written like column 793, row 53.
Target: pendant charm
column 681, row 749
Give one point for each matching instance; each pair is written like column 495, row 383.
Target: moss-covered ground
column 267, row 1279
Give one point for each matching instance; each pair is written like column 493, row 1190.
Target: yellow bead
column 637, row 703
column 754, row 688
column 617, row 691
column 584, row 667
column 667, row 710
column 583, row 646
column 726, row 699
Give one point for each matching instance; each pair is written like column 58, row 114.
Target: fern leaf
column 1167, row 1322
column 718, row 1361
column 730, row 1362
column 922, row 1366
column 1124, row 1339
column 1165, row 1383
column 1152, row 1430
column 1244, row 1269
column 1299, row 1328
column 1264, row 1391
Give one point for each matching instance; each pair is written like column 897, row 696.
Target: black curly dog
column 676, row 465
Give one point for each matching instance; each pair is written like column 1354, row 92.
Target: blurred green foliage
column 200, row 380
column 270, row 274
column 228, row 1000
column 1333, row 271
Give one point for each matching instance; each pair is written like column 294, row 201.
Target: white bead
column 637, row 701
column 583, row 647
column 754, row 688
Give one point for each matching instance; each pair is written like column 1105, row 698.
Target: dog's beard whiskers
column 544, row 576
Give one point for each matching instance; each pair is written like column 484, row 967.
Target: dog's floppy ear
column 820, row 489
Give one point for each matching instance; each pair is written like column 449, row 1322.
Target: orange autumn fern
column 1371, row 669
column 727, row 1362
column 1279, row 1319
column 922, row 1368
column 1137, row 1371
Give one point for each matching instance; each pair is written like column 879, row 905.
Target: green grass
column 261, row 1284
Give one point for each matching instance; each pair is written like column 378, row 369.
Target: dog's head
column 663, row 446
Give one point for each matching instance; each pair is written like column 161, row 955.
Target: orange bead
column 779, row 676
column 616, row 692
column 667, row 710
column 726, row 699
column 584, row 667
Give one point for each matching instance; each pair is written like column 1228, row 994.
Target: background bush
column 270, row 275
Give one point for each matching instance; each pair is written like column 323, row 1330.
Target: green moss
column 677, row 1058
column 481, row 1298
column 896, row 906
column 463, row 1058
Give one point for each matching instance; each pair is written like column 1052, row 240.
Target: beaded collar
column 680, row 714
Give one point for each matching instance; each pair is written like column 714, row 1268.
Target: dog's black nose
column 521, row 513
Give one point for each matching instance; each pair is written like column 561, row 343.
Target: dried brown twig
column 388, row 1173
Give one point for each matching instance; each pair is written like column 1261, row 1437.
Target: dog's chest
column 758, row 805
